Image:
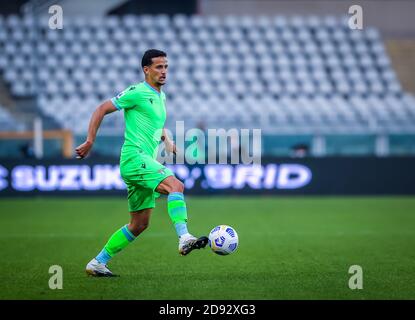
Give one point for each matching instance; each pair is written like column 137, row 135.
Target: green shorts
column 142, row 174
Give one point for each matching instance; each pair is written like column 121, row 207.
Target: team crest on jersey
column 151, row 100
column 120, row 95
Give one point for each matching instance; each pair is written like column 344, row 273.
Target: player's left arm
column 170, row 145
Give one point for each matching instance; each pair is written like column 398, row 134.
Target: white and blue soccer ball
column 223, row 240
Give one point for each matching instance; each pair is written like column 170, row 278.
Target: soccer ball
column 223, row 240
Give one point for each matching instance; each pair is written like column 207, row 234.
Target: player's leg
column 177, row 210
column 176, row 205
column 140, row 221
column 140, row 204
column 117, row 242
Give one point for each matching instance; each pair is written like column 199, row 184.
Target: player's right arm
column 96, row 119
column 125, row 100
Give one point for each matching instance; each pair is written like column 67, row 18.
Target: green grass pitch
column 290, row 248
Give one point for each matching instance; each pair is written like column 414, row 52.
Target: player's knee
column 137, row 228
column 144, row 226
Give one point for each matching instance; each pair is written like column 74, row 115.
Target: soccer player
column 145, row 115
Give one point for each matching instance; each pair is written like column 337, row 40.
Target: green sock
column 177, row 212
column 118, row 241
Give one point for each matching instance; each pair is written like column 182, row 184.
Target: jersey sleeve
column 126, row 99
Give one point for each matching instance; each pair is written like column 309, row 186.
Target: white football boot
column 189, row 242
column 97, row 269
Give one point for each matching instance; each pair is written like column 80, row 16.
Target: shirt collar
column 146, row 83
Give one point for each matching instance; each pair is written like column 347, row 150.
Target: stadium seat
column 297, row 71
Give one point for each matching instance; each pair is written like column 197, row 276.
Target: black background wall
column 11, row 7
column 157, row 7
column 275, row 176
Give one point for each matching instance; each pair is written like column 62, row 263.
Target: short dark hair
column 148, row 56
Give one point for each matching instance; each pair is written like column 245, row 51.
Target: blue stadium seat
column 295, row 71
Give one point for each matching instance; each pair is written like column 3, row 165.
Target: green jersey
column 145, row 115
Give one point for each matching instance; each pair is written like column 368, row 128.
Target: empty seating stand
column 277, row 73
